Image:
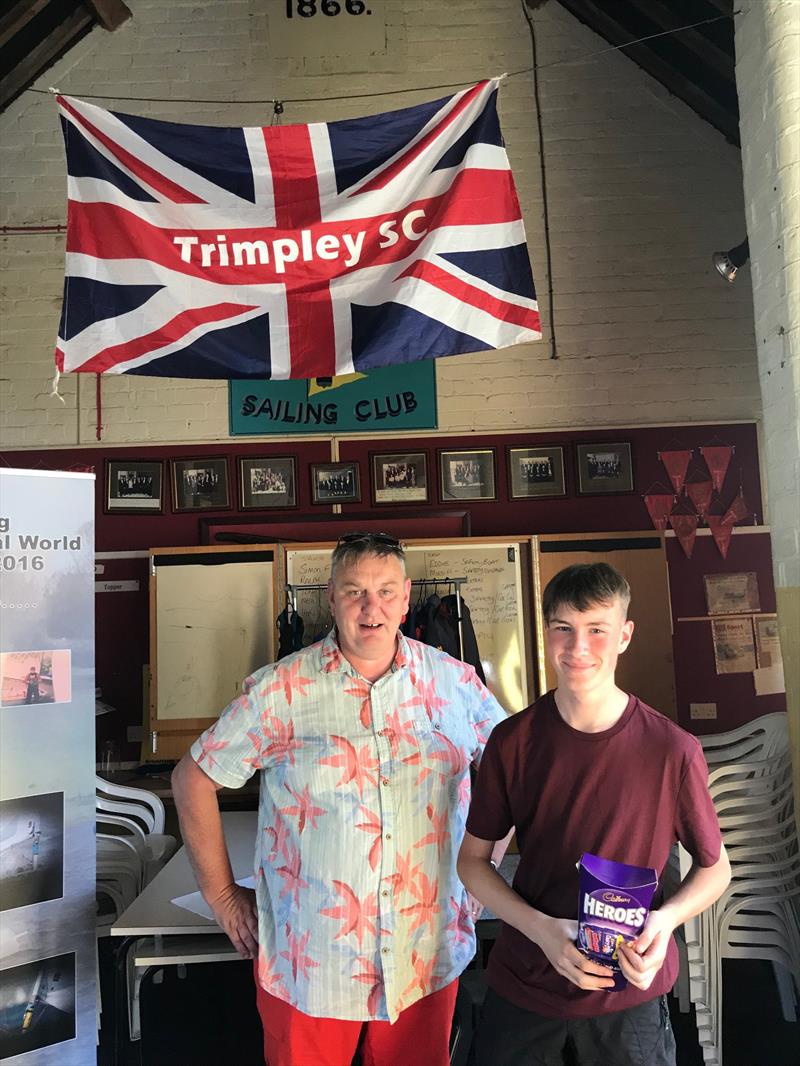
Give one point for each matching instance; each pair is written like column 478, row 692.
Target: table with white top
column 155, row 932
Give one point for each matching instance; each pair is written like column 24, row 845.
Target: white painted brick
column 641, row 191
column 768, row 71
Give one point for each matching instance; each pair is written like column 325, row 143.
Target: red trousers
column 419, row 1037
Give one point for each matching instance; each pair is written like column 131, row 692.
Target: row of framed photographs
column 534, row 472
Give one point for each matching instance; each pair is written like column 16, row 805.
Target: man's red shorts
column 419, row 1037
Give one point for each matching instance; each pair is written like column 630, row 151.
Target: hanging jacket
column 437, row 624
column 290, row 632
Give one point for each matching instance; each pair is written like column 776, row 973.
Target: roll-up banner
column 47, row 753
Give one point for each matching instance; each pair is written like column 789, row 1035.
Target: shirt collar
column 332, row 661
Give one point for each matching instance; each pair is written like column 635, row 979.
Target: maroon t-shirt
column 626, row 794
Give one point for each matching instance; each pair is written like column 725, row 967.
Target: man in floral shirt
column 359, row 924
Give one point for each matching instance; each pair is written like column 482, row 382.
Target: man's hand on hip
column 237, row 915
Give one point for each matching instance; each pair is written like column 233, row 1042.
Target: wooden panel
column 211, row 625
column 646, row 668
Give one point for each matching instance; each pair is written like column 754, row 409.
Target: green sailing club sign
column 387, row 400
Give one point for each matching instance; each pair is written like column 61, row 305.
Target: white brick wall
column 641, row 191
column 768, row 78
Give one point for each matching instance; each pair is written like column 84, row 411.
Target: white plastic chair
column 759, row 739
column 139, row 820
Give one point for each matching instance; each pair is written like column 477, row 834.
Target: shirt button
column 384, row 951
column 384, row 780
column 436, row 726
column 388, row 836
column 380, row 732
column 384, row 893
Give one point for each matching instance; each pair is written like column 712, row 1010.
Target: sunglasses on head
column 369, row 538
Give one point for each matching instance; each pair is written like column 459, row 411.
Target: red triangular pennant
column 717, row 457
column 676, row 463
column 737, row 511
column 658, row 501
column 685, row 526
column 721, row 532
column 699, row 492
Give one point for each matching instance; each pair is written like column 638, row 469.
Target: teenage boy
column 587, row 768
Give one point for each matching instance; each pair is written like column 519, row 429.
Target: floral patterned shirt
column 364, row 795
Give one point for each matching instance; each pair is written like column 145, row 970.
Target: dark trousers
column 511, row 1036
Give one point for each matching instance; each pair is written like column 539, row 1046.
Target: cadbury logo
column 614, row 897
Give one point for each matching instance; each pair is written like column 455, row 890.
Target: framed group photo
column 535, row 472
column 400, row 478
column 604, row 467
column 200, row 484
column 467, row 475
column 268, row 482
column 134, row 486
column 335, row 483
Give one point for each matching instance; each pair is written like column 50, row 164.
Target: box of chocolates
column 614, row 903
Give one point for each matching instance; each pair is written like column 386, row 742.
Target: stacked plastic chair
column 758, row 915
column 135, row 817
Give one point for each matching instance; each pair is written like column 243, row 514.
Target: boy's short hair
column 583, row 586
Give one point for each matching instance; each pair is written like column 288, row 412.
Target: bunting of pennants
column 659, row 502
column 693, row 500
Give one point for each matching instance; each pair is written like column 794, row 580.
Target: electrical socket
column 702, row 710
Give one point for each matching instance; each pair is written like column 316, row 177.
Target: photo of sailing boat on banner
column 37, row 1005
column 31, row 850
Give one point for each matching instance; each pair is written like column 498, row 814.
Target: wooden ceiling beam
column 111, row 14
column 723, row 6
column 40, row 57
column 17, row 18
column 598, row 18
column 694, row 40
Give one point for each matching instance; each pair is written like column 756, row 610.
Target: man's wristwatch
column 493, row 864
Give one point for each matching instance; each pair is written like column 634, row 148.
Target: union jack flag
column 291, row 251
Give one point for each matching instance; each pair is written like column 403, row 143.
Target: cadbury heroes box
column 613, row 906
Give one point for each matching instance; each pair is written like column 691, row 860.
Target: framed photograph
column 732, row 593
column 536, row 471
column 200, row 484
column 604, row 467
column 134, row 487
column 269, row 482
column 400, row 478
column 335, row 483
column 467, row 475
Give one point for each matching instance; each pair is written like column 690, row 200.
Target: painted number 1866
column 306, row 9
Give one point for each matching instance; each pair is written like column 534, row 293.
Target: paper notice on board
column 734, row 646
column 768, row 644
column 732, row 593
column 769, row 680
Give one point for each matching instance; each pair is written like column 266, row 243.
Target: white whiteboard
column 213, row 627
column 493, row 593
